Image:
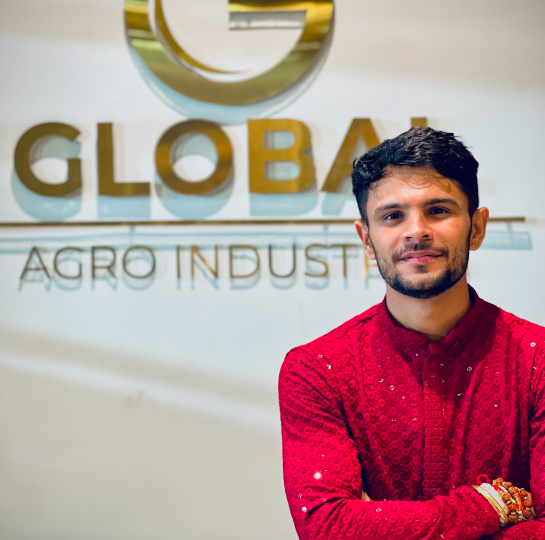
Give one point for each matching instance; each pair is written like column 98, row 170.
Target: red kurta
column 374, row 406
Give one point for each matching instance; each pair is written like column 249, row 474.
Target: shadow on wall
column 283, row 204
column 333, row 203
column 508, row 240
column 193, row 207
column 51, row 152
column 123, row 207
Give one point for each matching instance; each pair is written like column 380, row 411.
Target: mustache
column 399, row 254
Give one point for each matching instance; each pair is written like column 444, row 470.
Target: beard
column 429, row 286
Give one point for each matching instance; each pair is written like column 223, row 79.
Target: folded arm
column 323, row 480
column 534, row 529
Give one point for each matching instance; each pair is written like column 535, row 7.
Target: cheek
column 385, row 244
column 452, row 235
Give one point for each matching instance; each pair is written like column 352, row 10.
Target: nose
column 417, row 229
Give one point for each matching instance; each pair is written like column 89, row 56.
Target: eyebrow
column 429, row 202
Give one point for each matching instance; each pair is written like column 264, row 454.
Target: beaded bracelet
column 518, row 502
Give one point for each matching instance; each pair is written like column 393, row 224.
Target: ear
column 478, row 230
column 363, row 232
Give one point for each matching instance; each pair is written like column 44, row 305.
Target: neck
column 433, row 317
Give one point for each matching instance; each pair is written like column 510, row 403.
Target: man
column 388, row 420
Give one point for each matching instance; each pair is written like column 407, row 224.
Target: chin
column 423, row 280
column 421, row 284
column 422, row 276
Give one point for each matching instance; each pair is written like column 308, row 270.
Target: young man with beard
column 390, row 420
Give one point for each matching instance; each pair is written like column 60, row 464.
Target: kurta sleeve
column 323, row 477
column 534, row 530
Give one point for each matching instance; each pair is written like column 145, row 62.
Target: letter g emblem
column 181, row 80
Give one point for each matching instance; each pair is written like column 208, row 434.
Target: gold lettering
column 105, row 169
column 158, row 50
column 344, row 247
column 260, row 155
column 178, row 263
column 232, row 249
column 419, row 121
column 165, row 150
column 195, row 252
column 294, row 266
column 367, row 265
column 41, row 268
column 309, row 257
column 56, row 263
column 152, row 266
column 24, row 158
column 94, row 266
column 342, row 166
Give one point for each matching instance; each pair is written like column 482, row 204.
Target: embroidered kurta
column 374, row 407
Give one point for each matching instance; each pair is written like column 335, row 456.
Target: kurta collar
column 411, row 341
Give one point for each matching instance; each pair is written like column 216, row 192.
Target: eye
column 438, row 210
column 392, row 216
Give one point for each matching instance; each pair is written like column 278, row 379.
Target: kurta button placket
column 434, row 428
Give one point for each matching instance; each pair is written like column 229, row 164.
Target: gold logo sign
column 189, row 85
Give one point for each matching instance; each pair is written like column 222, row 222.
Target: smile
column 420, row 257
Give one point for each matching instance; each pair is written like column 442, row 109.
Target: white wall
column 152, row 413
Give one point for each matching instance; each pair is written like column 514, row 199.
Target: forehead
column 413, row 185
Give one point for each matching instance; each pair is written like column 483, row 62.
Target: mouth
column 420, row 257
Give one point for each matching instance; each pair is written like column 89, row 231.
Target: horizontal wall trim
column 206, row 222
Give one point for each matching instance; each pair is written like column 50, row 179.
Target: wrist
column 512, row 504
column 499, row 508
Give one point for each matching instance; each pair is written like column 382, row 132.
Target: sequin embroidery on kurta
column 373, row 406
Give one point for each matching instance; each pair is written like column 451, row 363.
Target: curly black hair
column 418, row 147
